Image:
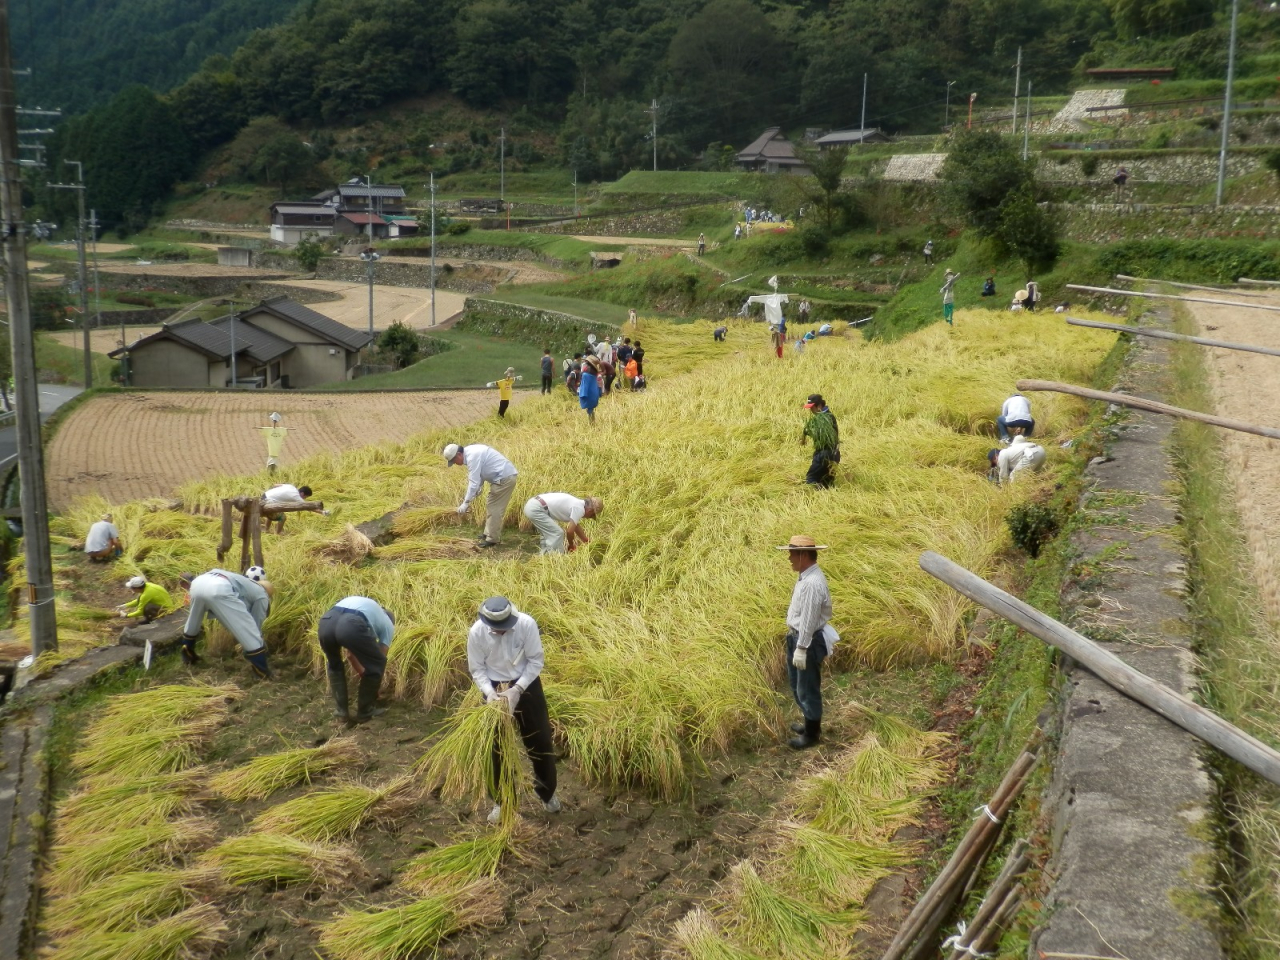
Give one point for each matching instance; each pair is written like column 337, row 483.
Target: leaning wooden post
column 1260, row 283
column 1111, row 291
column 1124, row 400
column 1166, row 335
column 1173, row 706
column 1190, row 286
column 245, row 539
column 255, row 525
column 228, row 537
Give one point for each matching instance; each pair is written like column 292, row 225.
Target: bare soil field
column 132, row 446
column 104, row 340
column 1246, row 387
column 410, row 305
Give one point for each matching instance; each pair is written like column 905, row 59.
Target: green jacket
column 151, row 593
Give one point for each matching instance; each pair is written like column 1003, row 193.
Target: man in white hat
column 485, row 465
column 948, row 291
column 150, row 600
column 236, row 602
column 103, row 541
column 810, row 639
column 548, row 510
column 504, row 655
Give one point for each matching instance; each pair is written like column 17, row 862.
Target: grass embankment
column 229, row 203
column 662, row 635
column 545, row 246
column 66, row 364
column 474, row 361
column 543, row 186
column 1238, row 647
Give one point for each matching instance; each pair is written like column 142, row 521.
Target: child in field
column 505, row 386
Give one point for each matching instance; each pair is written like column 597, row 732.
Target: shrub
column 1032, row 525
column 457, row 229
column 135, row 299
column 1272, row 161
column 308, row 253
column 1089, row 165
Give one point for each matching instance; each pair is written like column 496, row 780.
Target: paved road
column 52, row 396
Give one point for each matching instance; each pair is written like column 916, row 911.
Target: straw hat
column 1020, row 295
column 802, row 542
column 511, row 371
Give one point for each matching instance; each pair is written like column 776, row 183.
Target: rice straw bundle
column 780, row 924
column 129, row 900
column 697, row 934
column 460, row 763
column 78, row 863
column 132, row 803
column 263, row 776
column 470, row 859
column 341, row 810
column 416, row 521
column 277, row 859
column 839, row 870
column 194, row 934
column 351, row 546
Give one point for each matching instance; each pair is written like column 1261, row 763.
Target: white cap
column 275, row 418
column 450, row 452
column 136, row 583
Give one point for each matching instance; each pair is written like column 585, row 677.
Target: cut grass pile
column 700, row 477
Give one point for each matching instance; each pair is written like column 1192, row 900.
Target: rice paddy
column 662, row 635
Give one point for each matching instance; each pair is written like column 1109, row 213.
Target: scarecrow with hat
column 810, row 638
column 948, row 291
column 823, row 430
column 505, row 386
column 504, row 655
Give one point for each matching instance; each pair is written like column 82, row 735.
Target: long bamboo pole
column 1166, row 335
column 1174, row 707
column 1261, row 283
column 1190, row 286
column 1125, row 400
column 1171, row 296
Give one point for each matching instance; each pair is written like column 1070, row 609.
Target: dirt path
column 132, row 446
column 1247, row 386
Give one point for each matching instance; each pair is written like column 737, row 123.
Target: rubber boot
column 338, row 689
column 258, row 661
column 189, row 655
column 366, row 697
column 810, row 738
column 797, row 727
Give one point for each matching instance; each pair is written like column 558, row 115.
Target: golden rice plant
column 412, row 929
column 170, row 704
column 194, row 934
column 477, row 856
column 460, row 763
column 133, row 803
column 838, row 869
column 279, row 860
column 81, row 862
column 129, row 900
column 783, row 925
column 340, row 811
column 701, row 939
column 263, row 776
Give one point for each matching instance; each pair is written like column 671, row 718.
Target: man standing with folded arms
column 809, row 637
column 485, row 465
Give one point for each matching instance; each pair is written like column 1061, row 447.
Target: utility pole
column 946, row 116
column 1226, row 105
column 35, row 533
column 653, row 108
column 575, row 194
column 433, row 248
column 235, row 378
column 78, row 186
column 862, row 124
column 1017, row 85
column 1026, row 127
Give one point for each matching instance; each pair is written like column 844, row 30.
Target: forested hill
column 82, row 52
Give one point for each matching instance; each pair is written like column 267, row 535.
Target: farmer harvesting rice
column 825, row 433
column 810, row 639
column 1015, row 412
column 236, row 602
column 504, row 386
column 1021, row 455
column 546, row 509
column 485, row 465
column 363, row 628
column 504, row 655
column 284, row 493
column 150, row 600
column 948, row 291
column 103, row 541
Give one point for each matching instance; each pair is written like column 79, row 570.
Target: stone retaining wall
column 1110, row 222
column 1170, row 168
column 564, row 333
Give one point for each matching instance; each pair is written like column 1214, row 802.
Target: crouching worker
column 103, row 541
column 504, row 655
column 548, row 510
column 363, row 629
column 150, row 600
column 810, row 638
column 236, row 602
column 1022, row 455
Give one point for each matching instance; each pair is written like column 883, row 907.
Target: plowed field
column 131, row 446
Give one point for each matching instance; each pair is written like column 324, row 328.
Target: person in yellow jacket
column 505, row 386
column 150, row 600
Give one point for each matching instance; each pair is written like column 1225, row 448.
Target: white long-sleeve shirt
column 513, row 655
column 1021, row 454
column 604, row 351
column 810, row 607
column 1016, row 407
column 484, row 463
column 284, row 493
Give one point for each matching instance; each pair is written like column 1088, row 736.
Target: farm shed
column 771, row 152
column 189, row 354
column 323, row 349
column 851, row 138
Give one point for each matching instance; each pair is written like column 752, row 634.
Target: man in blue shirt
column 363, row 628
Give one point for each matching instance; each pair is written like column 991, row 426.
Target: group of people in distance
column 592, row 371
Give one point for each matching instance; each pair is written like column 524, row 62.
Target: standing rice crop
column 263, row 776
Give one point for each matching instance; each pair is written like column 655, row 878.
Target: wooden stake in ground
column 253, row 511
column 1170, row 296
column 1166, row 335
column 1173, row 706
column 1151, row 406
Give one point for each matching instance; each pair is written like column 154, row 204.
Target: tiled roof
column 333, row 331
column 849, row 136
column 195, row 333
column 259, row 344
column 378, row 190
column 365, row 218
column 314, row 208
column 770, row 145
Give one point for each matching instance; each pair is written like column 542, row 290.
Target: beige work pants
column 496, row 507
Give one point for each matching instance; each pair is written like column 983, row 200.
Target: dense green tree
column 982, row 169
column 1028, row 231
column 267, row 151
column 399, row 343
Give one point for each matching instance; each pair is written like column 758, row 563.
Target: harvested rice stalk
column 460, row 763
column 193, row 934
column 466, row 860
column 263, row 776
column 130, row 804
column 170, row 704
column 129, row 900
column 444, row 548
column 276, row 859
column 340, row 811
column 701, row 939
column 416, row 521
column 415, row 928
column 839, row 870
column 105, row 759
column 780, row 924
column 77, row 863
column 351, row 546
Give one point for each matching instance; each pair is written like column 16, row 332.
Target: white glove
column 512, row 696
column 800, row 659
column 463, row 508
column 122, row 613
column 490, row 384
column 520, row 378
column 492, row 696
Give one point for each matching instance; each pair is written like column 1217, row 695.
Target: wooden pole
column 1189, row 286
column 246, row 538
column 1165, row 335
column 255, row 525
column 1261, row 283
column 1124, row 400
column 1170, row 296
column 1174, row 707
column 1014, row 864
column 228, row 536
